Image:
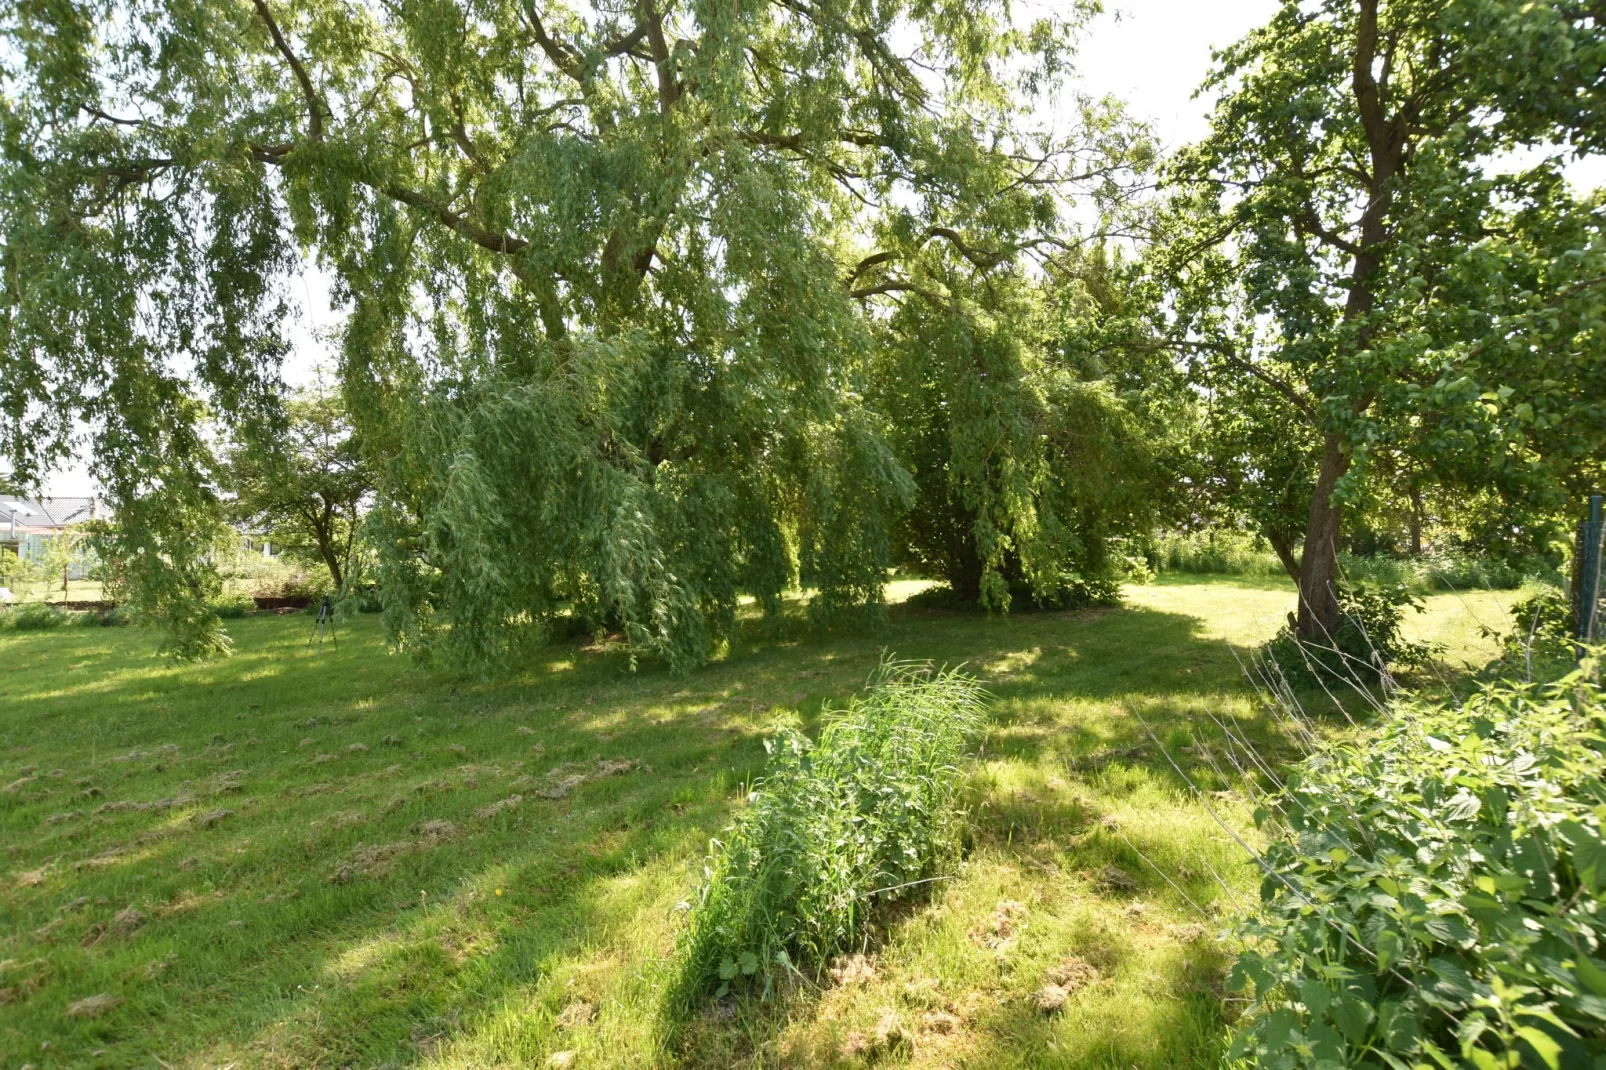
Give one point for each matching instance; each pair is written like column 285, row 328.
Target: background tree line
column 654, row 305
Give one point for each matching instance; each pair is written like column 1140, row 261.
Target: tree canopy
column 650, row 306
column 1364, row 278
column 611, row 274
column 305, row 484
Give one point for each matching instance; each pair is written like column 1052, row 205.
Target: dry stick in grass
column 1254, row 755
column 1249, row 787
column 1437, row 669
column 1354, row 681
column 1303, row 734
column 1321, row 681
column 1288, row 707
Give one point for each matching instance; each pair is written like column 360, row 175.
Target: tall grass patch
column 1214, row 552
column 833, row 829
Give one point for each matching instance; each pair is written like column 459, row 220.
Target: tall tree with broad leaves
column 306, row 484
column 1354, row 273
column 608, row 274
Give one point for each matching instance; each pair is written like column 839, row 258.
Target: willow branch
column 314, row 108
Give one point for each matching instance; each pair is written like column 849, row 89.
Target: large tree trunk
column 1386, row 138
column 331, row 558
column 964, row 573
column 1318, row 566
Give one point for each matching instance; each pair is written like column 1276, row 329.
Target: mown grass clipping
column 865, row 816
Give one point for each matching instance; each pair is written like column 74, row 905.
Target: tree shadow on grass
column 370, row 973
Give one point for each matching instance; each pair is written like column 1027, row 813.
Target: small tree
column 60, row 551
column 14, row 570
column 305, row 486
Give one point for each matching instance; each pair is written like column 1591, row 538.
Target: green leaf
column 1544, row 1047
column 748, row 962
column 1588, row 854
column 1279, row 1029
column 1591, row 973
column 1316, row 996
column 1354, row 1016
column 1388, row 948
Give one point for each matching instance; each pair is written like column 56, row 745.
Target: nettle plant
column 1431, row 893
column 866, row 815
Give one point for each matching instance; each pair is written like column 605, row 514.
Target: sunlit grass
column 329, row 919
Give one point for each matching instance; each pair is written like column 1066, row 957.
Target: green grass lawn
column 336, row 858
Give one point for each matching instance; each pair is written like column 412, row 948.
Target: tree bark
column 1318, row 566
column 1416, row 520
column 332, row 559
column 1285, row 554
column 324, row 526
column 964, row 574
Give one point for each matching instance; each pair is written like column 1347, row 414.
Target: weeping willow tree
column 611, row 278
column 1027, row 463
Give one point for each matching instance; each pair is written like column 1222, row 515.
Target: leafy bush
column 1224, row 552
column 1542, row 633
column 1444, row 571
column 1073, row 592
column 1235, row 553
column 115, row 617
column 34, row 617
column 865, row 816
column 1368, row 642
column 233, row 606
column 277, row 577
column 1432, row 896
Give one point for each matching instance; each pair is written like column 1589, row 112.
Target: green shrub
column 1073, row 592
column 1542, row 635
column 865, row 816
column 1432, row 896
column 234, row 606
column 116, row 617
column 1443, row 571
column 1224, row 552
column 1235, row 553
column 1367, row 644
column 34, row 617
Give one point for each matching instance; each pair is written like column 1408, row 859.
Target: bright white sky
column 1151, row 53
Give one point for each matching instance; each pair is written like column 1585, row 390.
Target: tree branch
column 560, row 53
column 487, row 239
column 669, row 90
column 1226, row 353
column 898, row 286
column 314, row 108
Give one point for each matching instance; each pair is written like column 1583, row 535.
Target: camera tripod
column 325, row 621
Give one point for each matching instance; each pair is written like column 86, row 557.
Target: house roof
column 45, row 512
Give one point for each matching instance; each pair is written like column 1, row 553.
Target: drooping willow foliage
column 613, row 277
column 1026, row 460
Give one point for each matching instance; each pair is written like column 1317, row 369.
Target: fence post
column 1587, row 572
